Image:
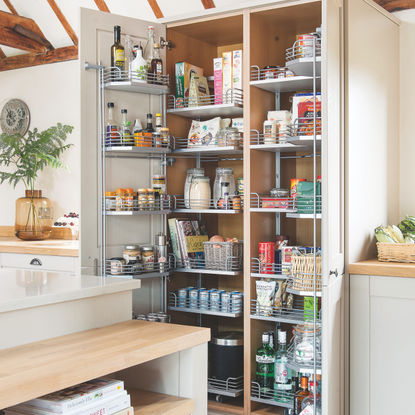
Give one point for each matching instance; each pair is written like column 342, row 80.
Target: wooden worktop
column 61, row 247
column 36, row 369
column 382, row 268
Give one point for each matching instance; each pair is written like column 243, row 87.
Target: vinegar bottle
column 156, row 66
column 149, row 49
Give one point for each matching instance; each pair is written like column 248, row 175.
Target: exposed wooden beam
column 396, row 5
column 208, row 4
column 156, row 9
column 63, row 21
column 11, row 8
column 11, row 20
column 31, row 35
column 8, row 37
column 102, row 6
column 2, row 54
column 31, row 59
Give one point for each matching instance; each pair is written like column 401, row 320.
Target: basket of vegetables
column 397, row 243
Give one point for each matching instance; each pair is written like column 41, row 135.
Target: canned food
column 306, row 45
column 225, row 297
column 236, row 303
column 182, row 294
column 141, row 317
column 266, row 257
column 215, row 301
column 270, row 72
column 193, row 298
column 294, row 182
column 152, row 318
column 204, row 299
column 163, row 318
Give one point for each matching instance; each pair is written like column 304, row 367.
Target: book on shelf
column 69, row 399
column 174, row 238
column 108, row 406
column 191, row 235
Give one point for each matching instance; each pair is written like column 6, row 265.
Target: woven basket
column 303, row 273
column 396, row 252
column 224, row 256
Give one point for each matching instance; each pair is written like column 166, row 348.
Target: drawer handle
column 36, row 261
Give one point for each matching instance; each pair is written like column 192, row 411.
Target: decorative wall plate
column 15, row 117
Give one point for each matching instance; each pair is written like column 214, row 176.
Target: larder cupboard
column 264, row 33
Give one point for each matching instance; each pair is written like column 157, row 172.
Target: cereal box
column 184, row 71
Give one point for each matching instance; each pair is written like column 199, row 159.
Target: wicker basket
column 303, row 273
column 396, row 252
column 224, row 256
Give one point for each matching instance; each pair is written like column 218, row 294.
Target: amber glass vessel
column 34, row 215
column 301, row 395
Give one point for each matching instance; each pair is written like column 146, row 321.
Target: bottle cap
column 129, row 190
column 161, row 239
column 141, row 190
column 158, row 115
column 236, row 193
column 110, row 105
column 156, row 45
column 149, row 115
column 120, row 190
column 107, row 194
column 124, row 111
column 151, row 27
column 265, row 337
column 282, row 336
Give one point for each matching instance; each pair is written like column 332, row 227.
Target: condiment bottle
column 125, row 129
column 165, row 137
column 236, row 201
column 129, row 199
column 110, row 202
column 149, row 49
column 138, row 65
column 151, row 199
column 223, row 202
column 117, row 57
column 112, row 128
column 150, row 128
column 120, row 199
column 156, row 67
column 138, row 128
column 128, row 57
column 158, row 123
column 142, row 199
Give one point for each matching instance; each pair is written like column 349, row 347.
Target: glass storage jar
column 147, row 257
column 120, row 199
column 200, row 193
column 110, row 202
column 117, row 266
column 142, row 199
column 190, row 174
column 228, row 136
column 132, row 257
column 223, row 174
column 129, row 199
column 304, row 352
column 151, row 199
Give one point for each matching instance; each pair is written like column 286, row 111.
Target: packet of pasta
column 265, row 292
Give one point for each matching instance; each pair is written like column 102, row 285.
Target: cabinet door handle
column 36, row 261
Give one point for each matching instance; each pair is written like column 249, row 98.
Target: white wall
column 407, row 135
column 52, row 95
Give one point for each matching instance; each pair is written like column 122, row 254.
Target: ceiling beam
column 208, row 4
column 29, row 34
column 11, row 8
column 2, row 54
column 32, row 59
column 11, row 20
column 63, row 21
column 156, row 9
column 8, row 37
column 102, row 6
column 396, row 5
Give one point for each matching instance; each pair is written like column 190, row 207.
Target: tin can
column 241, row 185
column 152, row 318
column 151, row 315
column 182, row 294
column 225, row 297
column 215, row 301
column 204, row 299
column 294, row 182
column 193, row 298
column 236, row 303
column 306, row 45
column 266, row 257
column 270, row 72
column 140, row 317
column 163, row 318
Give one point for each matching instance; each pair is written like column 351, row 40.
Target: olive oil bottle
column 117, row 57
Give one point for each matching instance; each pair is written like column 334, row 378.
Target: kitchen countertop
column 382, row 268
column 60, row 247
column 20, row 289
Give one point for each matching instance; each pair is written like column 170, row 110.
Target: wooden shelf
column 233, row 406
column 36, row 369
column 152, row 403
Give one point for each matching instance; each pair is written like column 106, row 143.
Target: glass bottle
column 190, row 173
column 139, row 65
column 158, row 123
column 265, row 364
column 138, row 128
column 117, row 56
column 149, row 49
column 223, row 174
column 282, row 373
column 128, row 57
column 34, row 215
column 224, row 202
column 112, row 128
column 236, row 201
column 150, row 128
column 125, row 129
column 129, row 199
column 301, row 395
column 200, row 192
column 120, row 199
column 309, row 400
column 156, row 67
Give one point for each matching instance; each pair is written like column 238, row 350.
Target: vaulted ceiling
column 35, row 32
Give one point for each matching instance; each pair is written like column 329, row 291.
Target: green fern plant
column 31, row 154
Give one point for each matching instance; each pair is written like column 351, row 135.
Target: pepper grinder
column 161, row 251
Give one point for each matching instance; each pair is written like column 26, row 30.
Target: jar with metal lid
column 190, row 174
column 110, row 202
column 117, row 266
column 165, row 137
column 223, row 174
column 200, row 193
column 147, row 257
column 152, row 318
column 304, row 343
column 132, row 256
column 120, row 199
column 129, row 199
column 142, row 199
column 151, row 199
column 270, row 72
column 140, row 317
column 228, row 136
column 280, row 192
column 157, row 139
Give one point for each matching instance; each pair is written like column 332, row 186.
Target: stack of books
column 102, row 396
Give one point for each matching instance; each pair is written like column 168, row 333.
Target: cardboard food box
column 198, row 91
column 217, row 80
column 226, row 75
column 184, row 71
column 303, row 106
column 237, row 69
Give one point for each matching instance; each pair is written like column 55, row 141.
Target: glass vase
column 34, row 215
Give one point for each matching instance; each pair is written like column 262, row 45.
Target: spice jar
column 132, row 257
column 129, row 199
column 151, row 199
column 304, row 343
column 120, row 199
column 236, row 201
column 270, row 72
column 165, row 137
column 117, row 266
column 157, row 139
column 147, row 257
column 110, row 202
column 190, row 174
column 200, row 193
column 142, row 199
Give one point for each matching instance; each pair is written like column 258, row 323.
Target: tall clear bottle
column 282, row 373
column 156, row 67
column 111, row 138
column 149, row 49
column 129, row 57
column 125, row 129
column 117, row 56
column 265, row 365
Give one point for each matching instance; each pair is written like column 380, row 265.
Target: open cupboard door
column 333, row 208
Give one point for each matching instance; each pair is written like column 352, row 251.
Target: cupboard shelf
column 303, row 215
column 268, row 270
column 304, row 66
column 207, row 271
column 229, row 265
column 288, row 84
column 137, row 212
column 134, row 151
column 209, row 111
column 232, row 387
column 271, row 397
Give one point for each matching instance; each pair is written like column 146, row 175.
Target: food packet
column 279, row 293
column 265, row 291
column 203, row 133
